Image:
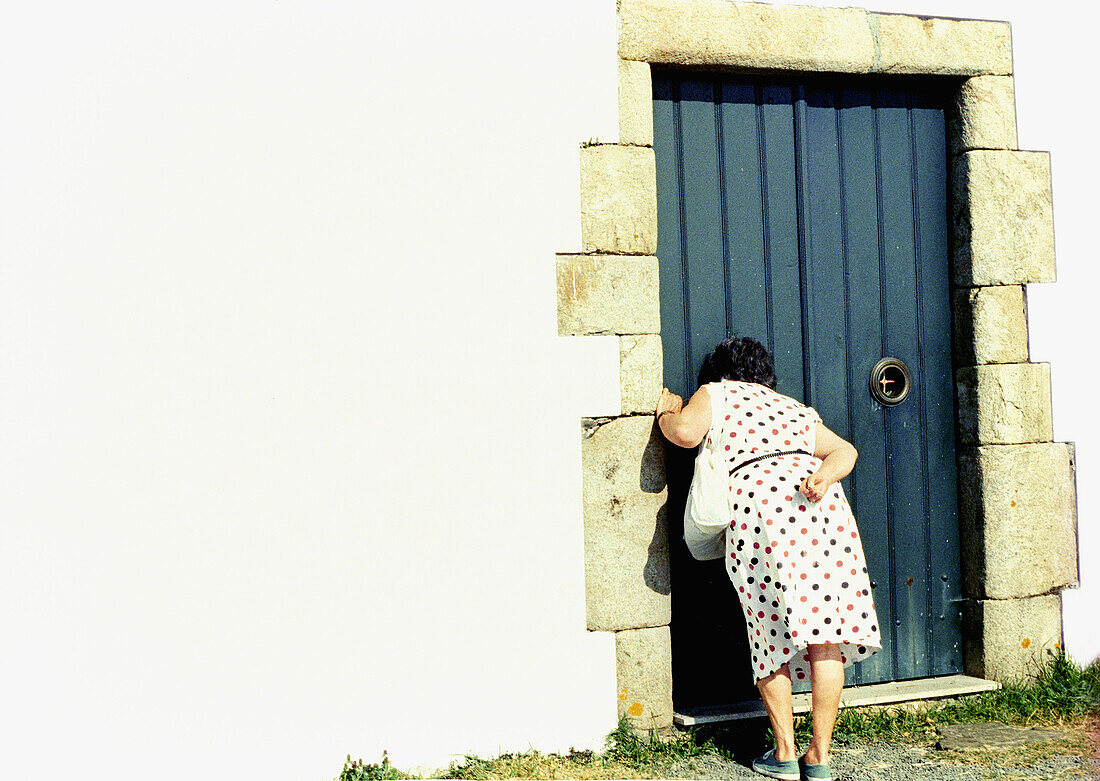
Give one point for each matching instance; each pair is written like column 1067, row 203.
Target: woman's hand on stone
column 669, row 402
column 815, row 486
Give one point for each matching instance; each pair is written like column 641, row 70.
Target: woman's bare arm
column 684, row 425
column 838, row 456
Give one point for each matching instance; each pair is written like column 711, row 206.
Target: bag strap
column 715, row 431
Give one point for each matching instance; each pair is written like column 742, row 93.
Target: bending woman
column 793, row 552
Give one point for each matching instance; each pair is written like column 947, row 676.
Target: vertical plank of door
column 930, row 164
column 743, row 218
column 867, row 485
column 775, row 116
column 907, row 461
column 702, row 206
column 666, row 148
column 825, row 260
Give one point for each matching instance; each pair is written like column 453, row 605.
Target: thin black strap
column 770, row 455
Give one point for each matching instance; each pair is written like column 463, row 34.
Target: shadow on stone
column 652, row 479
column 656, row 572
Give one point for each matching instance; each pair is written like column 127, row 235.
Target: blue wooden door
column 812, row 215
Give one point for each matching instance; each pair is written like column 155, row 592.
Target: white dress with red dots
column 797, row 565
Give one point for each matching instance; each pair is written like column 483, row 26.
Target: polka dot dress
column 797, row 565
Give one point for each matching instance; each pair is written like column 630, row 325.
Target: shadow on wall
column 652, row 480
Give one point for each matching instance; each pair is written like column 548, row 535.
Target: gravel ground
column 901, row 762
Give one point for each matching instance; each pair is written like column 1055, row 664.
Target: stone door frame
column 1017, row 498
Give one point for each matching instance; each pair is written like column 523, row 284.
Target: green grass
column 626, row 754
column 627, row 747
column 1062, row 693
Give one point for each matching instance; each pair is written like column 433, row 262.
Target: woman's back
column 797, row 564
column 753, row 420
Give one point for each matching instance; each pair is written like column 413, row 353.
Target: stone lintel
column 1007, row 639
column 608, row 294
column 1018, row 519
column 619, row 199
column 626, row 555
column 984, row 114
column 643, row 661
column 762, row 37
column 1003, row 217
column 1006, row 403
column 990, row 325
column 746, row 36
column 949, row 47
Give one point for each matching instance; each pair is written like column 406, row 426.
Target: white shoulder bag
column 707, row 513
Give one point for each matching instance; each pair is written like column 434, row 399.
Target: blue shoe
column 814, row 772
column 771, row 767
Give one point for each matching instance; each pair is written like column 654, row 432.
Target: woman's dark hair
column 739, row 358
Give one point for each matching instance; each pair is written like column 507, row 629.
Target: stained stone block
column 746, row 35
column 990, row 325
column 643, row 661
column 1006, row 639
column 1018, row 519
column 641, row 370
column 984, row 115
column 618, row 199
column 635, row 103
column 625, row 529
column 608, row 294
column 1005, row 403
column 1004, row 218
column 956, row 47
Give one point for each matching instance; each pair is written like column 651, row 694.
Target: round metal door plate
column 890, row 382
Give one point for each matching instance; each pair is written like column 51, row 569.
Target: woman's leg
column 827, row 681
column 775, row 690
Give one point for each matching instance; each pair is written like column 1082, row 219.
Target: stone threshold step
column 888, row 693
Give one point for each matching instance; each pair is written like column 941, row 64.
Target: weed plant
column 358, row 770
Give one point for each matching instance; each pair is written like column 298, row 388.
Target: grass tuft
column 625, row 745
column 358, row 770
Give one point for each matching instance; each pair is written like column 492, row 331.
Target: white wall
column 290, row 443
column 290, row 462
